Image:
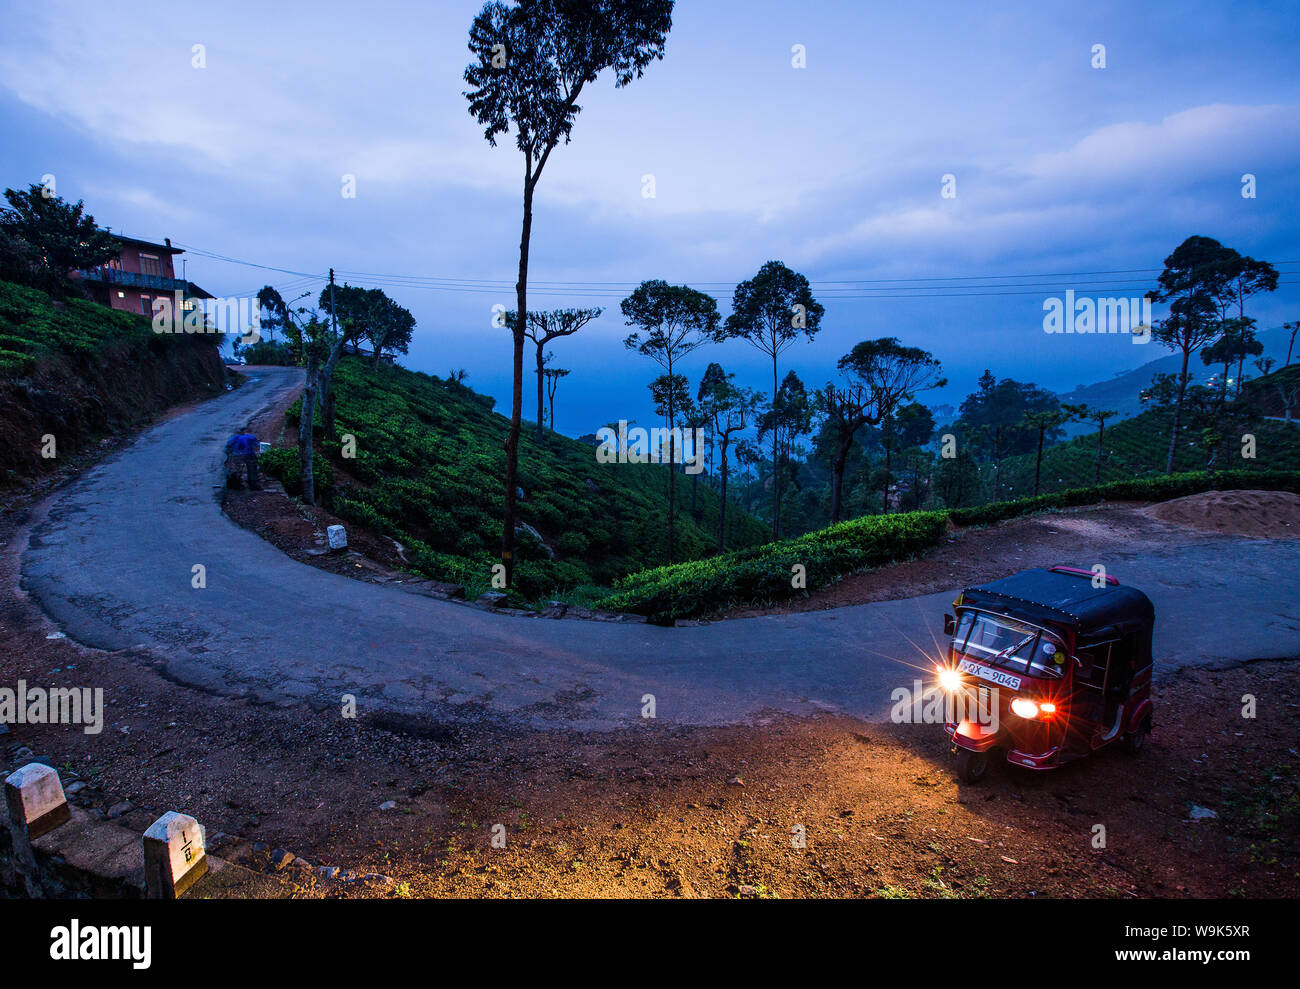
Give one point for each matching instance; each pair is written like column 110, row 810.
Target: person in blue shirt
column 241, row 452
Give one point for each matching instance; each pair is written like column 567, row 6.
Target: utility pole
column 334, row 317
column 311, row 388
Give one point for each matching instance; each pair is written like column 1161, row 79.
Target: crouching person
column 251, row 448
column 241, row 459
column 234, row 466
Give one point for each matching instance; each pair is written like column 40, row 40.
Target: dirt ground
column 1256, row 514
column 784, row 807
column 300, row 531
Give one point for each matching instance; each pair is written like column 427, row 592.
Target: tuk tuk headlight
column 949, row 679
column 1024, row 707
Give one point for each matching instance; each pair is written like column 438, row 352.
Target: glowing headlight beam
column 949, row 679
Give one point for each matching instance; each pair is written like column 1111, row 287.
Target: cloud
column 1131, row 176
column 1189, row 145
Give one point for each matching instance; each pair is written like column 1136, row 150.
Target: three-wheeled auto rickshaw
column 1060, row 662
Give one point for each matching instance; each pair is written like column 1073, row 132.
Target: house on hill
column 141, row 274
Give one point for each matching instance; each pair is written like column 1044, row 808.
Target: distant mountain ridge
column 1122, row 392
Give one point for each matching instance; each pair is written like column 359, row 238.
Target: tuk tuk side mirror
column 949, row 625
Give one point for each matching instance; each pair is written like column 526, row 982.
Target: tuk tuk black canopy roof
column 1062, row 598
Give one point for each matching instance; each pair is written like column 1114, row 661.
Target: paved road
column 112, row 562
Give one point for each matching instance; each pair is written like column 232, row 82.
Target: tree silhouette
column 532, row 61
column 544, row 327
column 675, row 320
column 771, row 311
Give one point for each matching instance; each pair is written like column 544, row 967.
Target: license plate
column 990, row 674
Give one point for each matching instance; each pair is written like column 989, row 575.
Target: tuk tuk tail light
column 1047, row 709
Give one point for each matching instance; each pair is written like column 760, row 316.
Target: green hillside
column 428, row 469
column 76, row 371
column 1137, row 447
column 33, row 326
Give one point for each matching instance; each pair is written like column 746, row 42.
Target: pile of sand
column 1257, row 514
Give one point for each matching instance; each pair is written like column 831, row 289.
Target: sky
column 1066, row 175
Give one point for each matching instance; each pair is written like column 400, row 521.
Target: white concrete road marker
column 338, row 537
column 174, row 856
column 35, row 800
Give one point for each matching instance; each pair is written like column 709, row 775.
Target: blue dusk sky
column 1067, row 176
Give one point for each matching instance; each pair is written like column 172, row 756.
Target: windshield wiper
column 1010, row 649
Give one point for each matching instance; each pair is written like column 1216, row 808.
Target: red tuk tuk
column 1060, row 659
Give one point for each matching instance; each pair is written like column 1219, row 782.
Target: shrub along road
column 111, row 559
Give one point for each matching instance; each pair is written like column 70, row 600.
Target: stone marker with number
column 174, row 856
column 35, row 799
column 338, row 537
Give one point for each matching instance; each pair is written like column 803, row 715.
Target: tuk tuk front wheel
column 1133, row 741
column 972, row 766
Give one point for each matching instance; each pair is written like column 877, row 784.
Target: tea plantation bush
column 429, row 463
column 1160, row 488
column 764, row 574
column 31, row 326
column 284, row 464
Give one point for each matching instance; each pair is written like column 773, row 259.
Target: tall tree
column 62, row 237
column 696, row 423
column 906, row 430
column 771, row 311
column 1236, row 344
column 1006, row 403
column 1189, row 326
column 553, row 376
column 674, row 320
column 789, row 418
column 542, row 328
column 275, row 313
column 319, row 343
column 1250, row 277
column 390, row 330
column 732, row 411
column 1202, row 281
column 1097, row 417
column 532, row 62
column 1293, row 328
column 1043, row 423
column 891, row 374
column 845, row 409
column 362, row 313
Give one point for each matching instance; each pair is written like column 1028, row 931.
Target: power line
column 972, row 286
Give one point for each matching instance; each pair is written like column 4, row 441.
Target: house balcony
column 133, row 279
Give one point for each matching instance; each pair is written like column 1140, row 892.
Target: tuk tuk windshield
column 996, row 640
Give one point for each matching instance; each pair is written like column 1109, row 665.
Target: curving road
column 111, row 562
